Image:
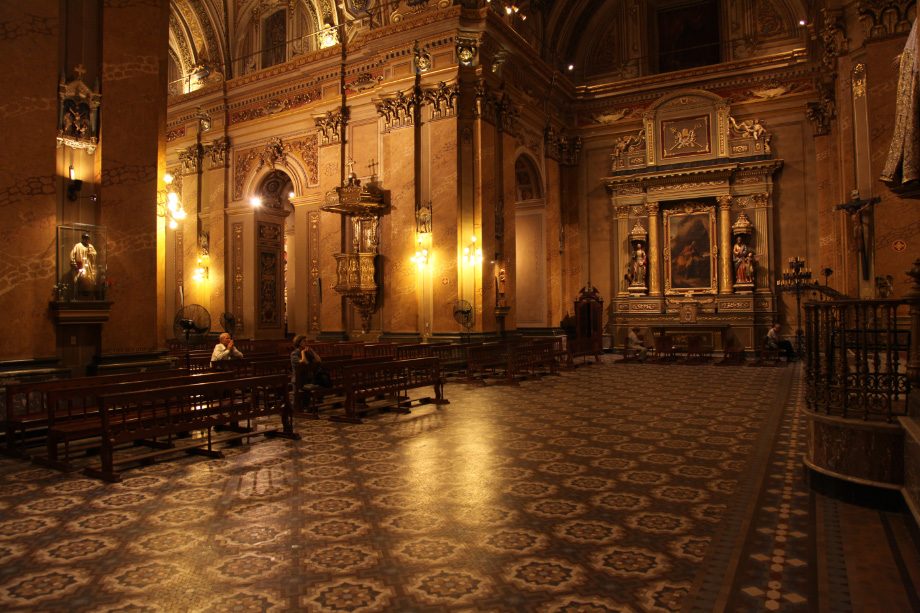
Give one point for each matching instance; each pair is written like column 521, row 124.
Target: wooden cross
column 79, row 70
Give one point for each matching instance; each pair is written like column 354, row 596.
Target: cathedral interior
column 420, row 172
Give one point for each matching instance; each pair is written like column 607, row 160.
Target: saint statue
column 739, row 251
column 639, row 265
column 83, row 262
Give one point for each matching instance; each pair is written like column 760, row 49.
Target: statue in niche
column 501, row 287
column 639, row 264
column 745, row 272
column 83, row 262
column 739, row 251
column 423, row 218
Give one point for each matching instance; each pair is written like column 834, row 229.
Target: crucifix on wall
column 859, row 211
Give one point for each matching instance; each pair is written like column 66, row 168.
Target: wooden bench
column 767, row 356
column 524, row 360
column 149, row 416
column 27, row 403
column 664, row 349
column 81, row 404
column 485, row 360
column 453, row 357
column 584, row 347
column 629, row 354
column 559, row 352
column 390, row 381
column 307, row 396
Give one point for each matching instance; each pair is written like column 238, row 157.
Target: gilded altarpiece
column 688, row 174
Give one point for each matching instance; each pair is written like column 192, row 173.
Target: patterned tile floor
column 616, row 487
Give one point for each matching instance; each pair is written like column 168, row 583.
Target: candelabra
column 796, row 280
column 168, row 204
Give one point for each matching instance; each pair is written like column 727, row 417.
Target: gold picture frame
column 691, row 251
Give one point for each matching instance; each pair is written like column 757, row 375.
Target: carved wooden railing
column 862, row 355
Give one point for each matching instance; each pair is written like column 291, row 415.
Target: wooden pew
column 81, row 404
column 307, row 397
column 27, row 403
column 525, row 360
column 150, row 415
column 584, row 347
column 391, row 380
column 452, row 357
column 483, row 360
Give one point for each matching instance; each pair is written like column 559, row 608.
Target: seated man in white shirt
column 224, row 350
column 636, row 343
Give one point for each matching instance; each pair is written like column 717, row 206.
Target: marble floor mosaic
column 615, row 487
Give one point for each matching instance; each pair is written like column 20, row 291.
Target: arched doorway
column 530, row 244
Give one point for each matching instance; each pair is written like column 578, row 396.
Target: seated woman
column 303, row 354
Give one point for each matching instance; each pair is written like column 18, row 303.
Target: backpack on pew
column 321, row 377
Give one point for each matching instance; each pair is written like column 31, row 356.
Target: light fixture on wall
column 472, row 254
column 421, row 253
column 201, row 272
column 255, row 201
column 168, row 204
column 72, row 173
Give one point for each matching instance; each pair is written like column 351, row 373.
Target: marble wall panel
column 445, row 203
column 398, row 295
column 134, row 54
column 30, row 182
column 509, row 144
column 531, row 286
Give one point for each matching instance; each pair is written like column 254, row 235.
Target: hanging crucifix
column 858, row 209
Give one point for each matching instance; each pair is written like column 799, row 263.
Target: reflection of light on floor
column 464, row 458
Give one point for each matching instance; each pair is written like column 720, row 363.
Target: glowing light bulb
column 172, row 224
column 167, row 178
column 255, row 201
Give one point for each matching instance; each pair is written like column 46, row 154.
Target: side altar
column 692, row 198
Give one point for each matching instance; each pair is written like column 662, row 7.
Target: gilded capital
column 652, row 208
column 725, row 202
column 622, row 210
column 190, row 159
column 217, row 151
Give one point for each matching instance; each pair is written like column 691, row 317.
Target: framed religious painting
column 690, row 264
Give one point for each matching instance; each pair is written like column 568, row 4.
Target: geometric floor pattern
column 615, row 487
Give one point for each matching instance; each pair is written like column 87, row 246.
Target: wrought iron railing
column 862, row 355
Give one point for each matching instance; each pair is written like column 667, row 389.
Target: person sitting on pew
column 636, row 343
column 224, row 350
column 303, row 354
column 774, row 342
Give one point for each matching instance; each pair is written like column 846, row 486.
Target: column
column 622, row 246
column 216, row 189
column 397, row 300
column 654, row 249
column 190, row 160
column 31, row 184
column 133, row 79
column 762, row 234
column 725, row 245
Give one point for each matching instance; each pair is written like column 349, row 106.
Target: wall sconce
column 421, row 254
column 255, row 201
column 201, row 272
column 472, row 254
column 73, row 173
column 168, row 204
